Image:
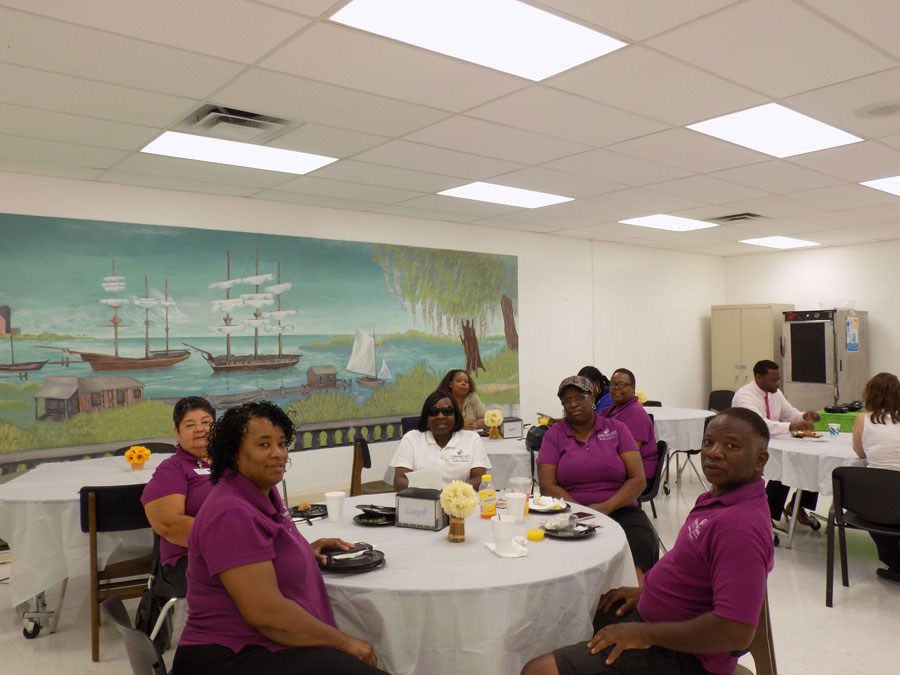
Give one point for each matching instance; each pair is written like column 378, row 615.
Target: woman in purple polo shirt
column 256, row 599
column 628, row 410
column 594, row 461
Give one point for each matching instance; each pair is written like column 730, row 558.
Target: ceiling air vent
column 736, row 218
column 232, row 125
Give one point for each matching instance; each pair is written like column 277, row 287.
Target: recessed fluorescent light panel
column 205, row 149
column 891, row 185
column 661, row 221
column 501, row 194
column 775, row 130
column 780, row 242
column 505, row 35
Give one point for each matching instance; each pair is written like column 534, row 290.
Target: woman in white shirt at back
column 876, row 438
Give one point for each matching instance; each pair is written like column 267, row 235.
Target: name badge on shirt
column 202, row 472
column 460, row 458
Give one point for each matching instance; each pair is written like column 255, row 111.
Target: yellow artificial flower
column 137, row 454
column 458, row 499
column 493, row 418
column 641, row 397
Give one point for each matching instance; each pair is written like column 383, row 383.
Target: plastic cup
column 504, row 531
column 515, row 502
column 834, row 429
column 334, row 501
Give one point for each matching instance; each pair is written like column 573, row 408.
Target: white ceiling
column 84, row 85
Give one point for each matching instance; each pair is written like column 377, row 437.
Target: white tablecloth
column 681, row 428
column 441, row 608
column 807, row 463
column 40, row 520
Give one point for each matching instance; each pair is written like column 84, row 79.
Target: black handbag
column 164, row 583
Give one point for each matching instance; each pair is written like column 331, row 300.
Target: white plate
column 555, row 506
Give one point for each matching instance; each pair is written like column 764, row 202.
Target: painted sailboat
column 229, row 362
column 362, row 361
column 24, row 366
column 151, row 359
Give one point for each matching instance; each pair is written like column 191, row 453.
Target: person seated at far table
column 701, row 603
column 179, row 487
column 256, row 599
column 594, row 461
column 628, row 410
column 876, row 438
column 462, row 388
column 602, row 397
column 763, row 397
column 439, row 443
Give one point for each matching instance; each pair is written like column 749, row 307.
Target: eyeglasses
column 620, row 385
column 446, row 411
column 579, row 399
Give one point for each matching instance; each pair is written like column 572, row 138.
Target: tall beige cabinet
column 741, row 336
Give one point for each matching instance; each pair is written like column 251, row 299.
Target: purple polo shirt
column 718, row 564
column 180, row 474
column 593, row 471
column 239, row 526
column 633, row 416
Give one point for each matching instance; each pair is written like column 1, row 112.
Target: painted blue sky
column 51, row 271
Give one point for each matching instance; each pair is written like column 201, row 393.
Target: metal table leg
column 41, row 616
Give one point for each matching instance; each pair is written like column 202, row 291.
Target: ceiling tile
column 179, row 183
column 388, row 176
column 504, row 224
column 312, row 185
column 20, row 121
column 428, row 214
column 879, row 232
column 312, row 8
column 876, row 20
column 777, row 176
column 563, row 115
column 689, row 150
column 37, row 89
column 48, row 169
column 846, row 197
column 646, row 202
column 556, row 182
column 230, row 29
column 618, row 168
column 55, row 152
column 601, row 232
column 557, row 216
column 854, row 163
column 317, row 200
column 271, row 93
column 724, row 249
column 494, row 140
column 706, row 189
column 328, row 141
column 436, row 160
column 359, row 60
column 835, row 237
column 885, row 213
column 775, row 47
column 652, row 84
column 462, row 206
column 172, row 167
column 46, row 44
column 774, row 206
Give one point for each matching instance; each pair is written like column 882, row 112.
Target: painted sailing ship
column 24, row 366
column 362, row 361
column 229, row 362
column 151, row 359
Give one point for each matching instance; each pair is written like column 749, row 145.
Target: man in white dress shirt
column 764, row 397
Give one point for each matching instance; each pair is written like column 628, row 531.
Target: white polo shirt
column 418, row 451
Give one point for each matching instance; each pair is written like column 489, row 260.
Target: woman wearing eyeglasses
column 628, row 410
column 439, row 443
column 592, row 460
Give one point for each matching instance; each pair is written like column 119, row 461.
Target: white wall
column 650, row 313
column 866, row 273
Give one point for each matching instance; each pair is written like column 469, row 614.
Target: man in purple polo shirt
column 701, row 602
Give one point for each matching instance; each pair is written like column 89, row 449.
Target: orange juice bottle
column 487, row 495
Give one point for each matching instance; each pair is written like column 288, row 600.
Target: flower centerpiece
column 641, row 397
column 136, row 455
column 492, row 420
column 458, row 500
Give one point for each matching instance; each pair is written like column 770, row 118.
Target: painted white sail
column 258, row 279
column 145, row 302
column 278, row 289
column 256, row 323
column 362, row 358
column 228, row 330
column 257, row 299
column 384, row 373
column 225, row 285
column 227, row 305
column 113, row 302
column 279, row 314
column 279, row 329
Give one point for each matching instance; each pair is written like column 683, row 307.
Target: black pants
column 257, row 660
column 577, row 659
column 777, row 494
column 888, row 550
column 642, row 537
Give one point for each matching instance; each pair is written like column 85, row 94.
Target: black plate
column 364, row 563
column 314, row 511
column 544, row 511
column 375, row 510
column 367, row 520
column 581, row 531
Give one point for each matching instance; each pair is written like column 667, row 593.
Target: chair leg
column 845, row 575
column 653, row 508
column 697, row 473
column 829, row 563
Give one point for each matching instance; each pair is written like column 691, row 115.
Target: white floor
column 857, row 636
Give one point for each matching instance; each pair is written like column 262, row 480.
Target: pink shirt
column 239, row 526
column 593, row 471
column 718, row 564
column 633, row 416
column 180, row 474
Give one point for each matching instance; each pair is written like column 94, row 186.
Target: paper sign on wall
column 852, row 333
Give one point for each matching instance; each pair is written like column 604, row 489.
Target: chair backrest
column 653, row 484
column 142, row 654
column 164, row 448
column 653, row 404
column 868, row 493
column 409, row 423
column 534, row 438
column 361, row 459
column 117, row 507
column 720, row 399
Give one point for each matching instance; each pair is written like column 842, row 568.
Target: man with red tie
column 765, row 398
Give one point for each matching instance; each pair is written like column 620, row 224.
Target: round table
column 680, row 428
column 442, row 608
column 509, row 457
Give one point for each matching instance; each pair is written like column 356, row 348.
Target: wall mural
column 104, row 325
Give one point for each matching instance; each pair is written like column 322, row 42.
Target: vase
column 457, row 531
column 495, row 433
column 137, row 466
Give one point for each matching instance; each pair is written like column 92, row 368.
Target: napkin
column 430, row 480
column 519, row 549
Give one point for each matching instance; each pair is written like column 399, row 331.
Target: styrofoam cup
column 515, row 505
column 503, row 533
column 334, row 502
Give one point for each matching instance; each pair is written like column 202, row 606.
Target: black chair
column 165, row 448
column 864, row 499
column 653, row 404
column 652, row 489
column 113, row 508
column 720, row 399
column 533, row 440
column 143, row 655
column 362, row 459
column 409, row 423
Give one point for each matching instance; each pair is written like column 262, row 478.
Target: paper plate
column 314, row 511
column 580, row 531
column 367, row 562
column 374, row 520
column 548, row 509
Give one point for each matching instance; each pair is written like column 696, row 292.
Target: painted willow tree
column 453, row 292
